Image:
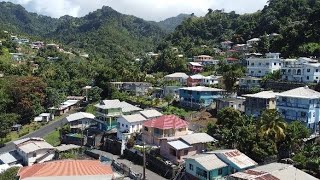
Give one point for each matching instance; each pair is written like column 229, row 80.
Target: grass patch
column 26, row 129
column 53, row 138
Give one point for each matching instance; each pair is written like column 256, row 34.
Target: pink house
column 177, row 148
column 163, row 127
column 195, row 67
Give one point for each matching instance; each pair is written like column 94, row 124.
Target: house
column 205, row 166
column 134, row 88
column 240, row 47
column 226, row 44
column 195, row 67
column 235, row 103
column 253, row 42
column 199, row 96
column 177, row 77
column 195, row 80
column 67, row 169
column 300, row 104
column 205, row 60
column 255, row 104
column 304, row 70
column 44, row 117
column 34, row 150
column 249, row 82
column 259, row 67
column 82, row 120
column 66, row 107
column 217, row 164
column 232, row 60
column 176, row 149
column 17, row 56
column 109, row 110
column 211, row 80
column 163, row 127
column 10, row 158
column 129, row 124
column 272, row 171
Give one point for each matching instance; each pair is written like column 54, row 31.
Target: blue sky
column 147, row 9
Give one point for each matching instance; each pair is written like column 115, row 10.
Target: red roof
column 166, row 122
column 66, row 168
column 232, row 59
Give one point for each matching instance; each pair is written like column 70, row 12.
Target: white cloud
column 147, row 9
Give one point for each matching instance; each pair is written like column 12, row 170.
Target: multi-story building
column 259, row 67
column 255, row 104
column 163, row 127
column 177, row 77
column 249, row 82
column 134, row 88
column 195, row 80
column 109, row 110
column 195, row 67
column 205, row 60
column 200, row 96
column 300, row 104
column 301, row 70
column 235, row 103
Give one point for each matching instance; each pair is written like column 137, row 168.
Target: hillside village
column 228, row 111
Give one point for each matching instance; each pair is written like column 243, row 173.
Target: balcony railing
column 293, row 105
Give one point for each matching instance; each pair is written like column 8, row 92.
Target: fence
column 126, row 171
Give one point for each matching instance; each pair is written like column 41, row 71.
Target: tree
column 10, row 174
column 272, row 125
column 230, row 75
column 94, row 94
column 6, row 121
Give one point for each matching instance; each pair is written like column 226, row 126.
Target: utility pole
column 144, row 162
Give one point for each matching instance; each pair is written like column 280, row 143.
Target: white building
column 83, row 120
column 150, row 113
column 300, row 104
column 259, row 67
column 304, row 70
column 253, row 42
column 127, row 125
column 34, row 150
column 44, row 117
column 178, row 77
column 211, row 80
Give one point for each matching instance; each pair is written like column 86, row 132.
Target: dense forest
column 297, row 22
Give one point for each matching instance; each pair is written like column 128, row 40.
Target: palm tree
column 272, row 125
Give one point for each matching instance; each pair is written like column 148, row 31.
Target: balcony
column 292, row 105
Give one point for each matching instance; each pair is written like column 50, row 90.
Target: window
column 274, row 63
column 146, row 129
column 122, row 125
column 252, row 72
column 303, row 114
column 308, row 70
column 132, row 126
column 156, row 131
column 34, row 154
column 191, row 167
column 279, row 64
column 252, row 64
column 185, row 152
column 220, row 171
column 259, row 64
column 317, row 70
column 267, row 64
column 307, row 77
column 259, row 71
column 126, row 126
column 201, row 172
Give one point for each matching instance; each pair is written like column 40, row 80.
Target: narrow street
column 43, row 131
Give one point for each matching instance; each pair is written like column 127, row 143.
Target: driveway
column 43, row 131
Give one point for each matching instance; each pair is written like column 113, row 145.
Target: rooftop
column 195, row 64
column 197, row 138
column 34, row 145
column 239, row 159
column 116, row 104
column 65, row 169
column 301, row 92
column 166, row 122
column 177, row 75
column 202, row 88
column 197, row 76
column 208, row 161
column 253, row 175
column 262, row 95
column 238, row 99
column 150, row 113
column 9, row 157
column 284, row 171
column 178, row 145
column 79, row 115
column 134, row 118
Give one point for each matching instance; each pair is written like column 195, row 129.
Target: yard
column 53, row 138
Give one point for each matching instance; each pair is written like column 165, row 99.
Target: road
column 43, row 131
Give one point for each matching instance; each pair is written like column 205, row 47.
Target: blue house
column 300, row 104
column 217, row 164
column 199, row 96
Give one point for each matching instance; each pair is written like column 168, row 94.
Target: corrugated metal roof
column 178, row 145
column 239, row 159
column 32, row 146
column 151, row 113
column 133, row 118
column 126, row 107
column 167, row 122
column 197, row 138
column 114, row 104
column 301, row 92
column 208, row 161
column 177, row 75
column 9, row 157
column 262, row 95
column 79, row 115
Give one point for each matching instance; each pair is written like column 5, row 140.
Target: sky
column 155, row 10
